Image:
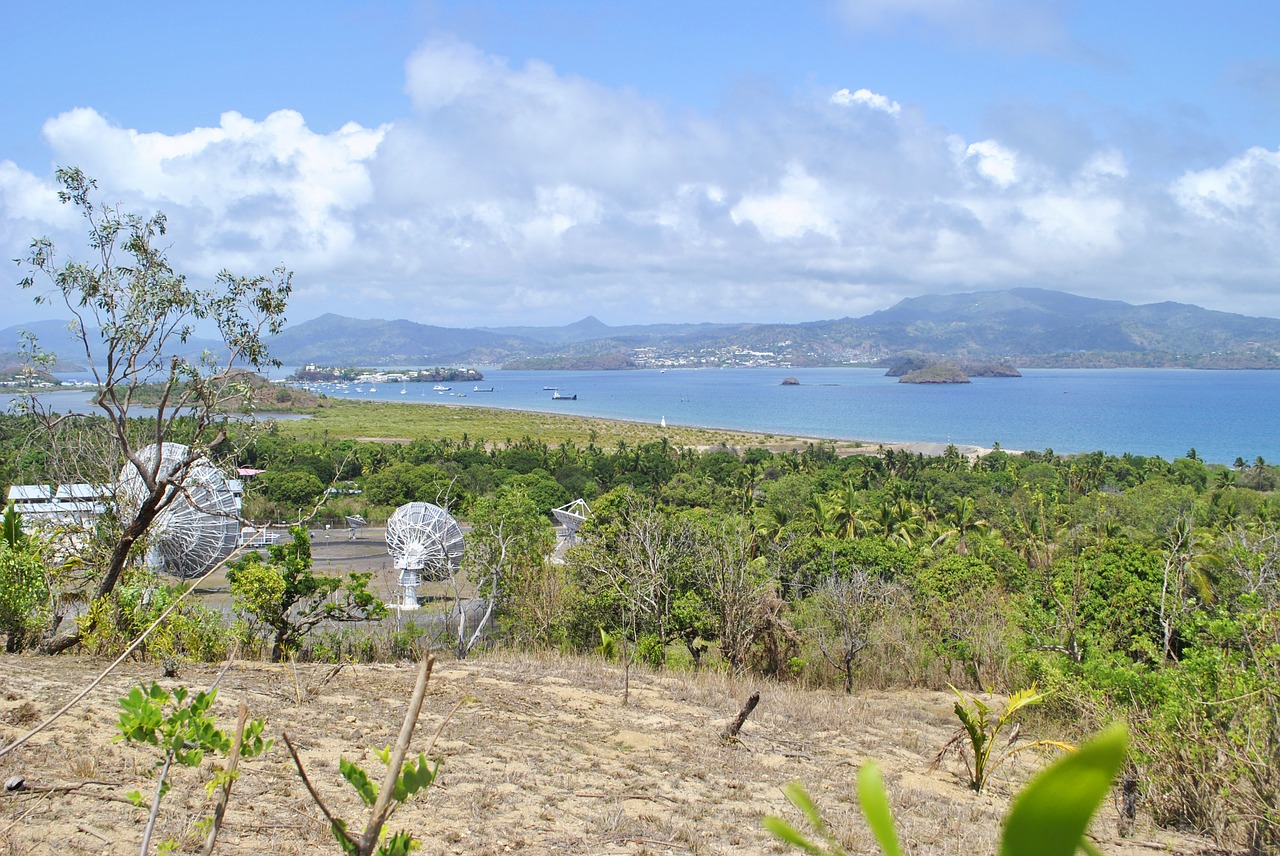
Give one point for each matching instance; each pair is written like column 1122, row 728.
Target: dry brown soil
column 542, row 757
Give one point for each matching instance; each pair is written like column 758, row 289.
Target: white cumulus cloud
column 1245, row 186
column 518, row 194
column 799, row 206
column 244, row 189
column 993, row 161
column 866, row 98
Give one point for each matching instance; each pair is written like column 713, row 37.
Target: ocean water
column 1166, row 412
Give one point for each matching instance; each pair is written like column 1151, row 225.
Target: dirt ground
column 542, row 757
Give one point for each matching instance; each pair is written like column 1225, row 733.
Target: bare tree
column 131, row 313
column 852, row 603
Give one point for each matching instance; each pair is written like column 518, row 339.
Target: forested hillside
column 1126, row 587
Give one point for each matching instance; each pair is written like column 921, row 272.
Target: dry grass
column 543, row 757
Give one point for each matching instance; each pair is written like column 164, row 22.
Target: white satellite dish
column 200, row 525
column 426, row 542
column 354, row 522
column 572, row 516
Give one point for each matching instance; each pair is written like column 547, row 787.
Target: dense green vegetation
column 1123, row 587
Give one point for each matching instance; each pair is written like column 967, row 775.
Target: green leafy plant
column 414, row 777
column 25, row 599
column 400, row 782
column 11, row 526
column 981, row 727
column 180, row 725
column 189, row 632
column 1049, row 817
column 289, row 600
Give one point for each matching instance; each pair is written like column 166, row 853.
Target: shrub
column 24, row 594
column 288, row 601
column 112, row 622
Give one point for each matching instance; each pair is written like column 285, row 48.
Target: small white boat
column 441, row 388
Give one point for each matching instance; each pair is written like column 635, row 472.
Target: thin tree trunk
column 731, row 732
column 119, row 556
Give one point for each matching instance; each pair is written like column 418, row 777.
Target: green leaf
column 875, row 806
column 400, row 844
column 1049, row 817
column 12, row 526
column 415, row 777
column 339, row 828
column 359, row 780
column 784, row 831
column 799, row 798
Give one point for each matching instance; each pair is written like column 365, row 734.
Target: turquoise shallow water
column 1165, row 412
column 1222, row 415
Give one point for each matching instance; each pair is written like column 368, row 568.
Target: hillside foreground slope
column 542, row 757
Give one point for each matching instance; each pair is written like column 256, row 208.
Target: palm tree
column 1037, row 533
column 844, row 511
column 899, row 520
column 962, row 524
column 772, row 523
column 818, row 515
column 747, row 481
column 1189, row 559
column 926, row 506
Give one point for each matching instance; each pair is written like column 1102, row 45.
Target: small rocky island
column 936, row 373
column 909, row 371
column 790, row 381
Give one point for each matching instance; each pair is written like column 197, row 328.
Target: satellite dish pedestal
column 409, row 580
column 410, row 562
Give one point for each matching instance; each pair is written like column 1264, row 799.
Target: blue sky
column 484, row 163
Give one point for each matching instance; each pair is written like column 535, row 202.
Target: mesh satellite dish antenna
column 572, row 516
column 426, row 542
column 199, row 527
column 354, row 522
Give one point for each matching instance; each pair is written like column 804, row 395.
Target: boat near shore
column 559, row 396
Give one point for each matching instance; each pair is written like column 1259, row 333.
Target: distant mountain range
column 1023, row 327
column 54, row 337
